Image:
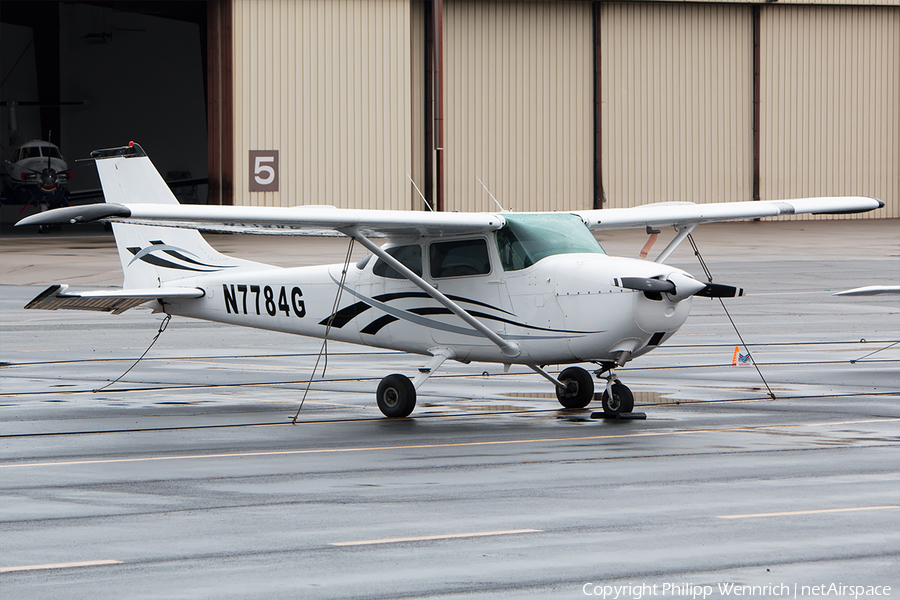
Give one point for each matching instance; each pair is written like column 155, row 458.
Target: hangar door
column 676, row 89
column 830, row 96
column 518, row 105
column 327, row 85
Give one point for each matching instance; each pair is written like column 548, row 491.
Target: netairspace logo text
column 726, row 590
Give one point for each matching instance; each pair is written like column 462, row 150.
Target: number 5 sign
column 264, row 170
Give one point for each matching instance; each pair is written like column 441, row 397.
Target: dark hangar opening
column 91, row 75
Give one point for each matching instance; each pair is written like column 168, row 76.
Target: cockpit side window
column 409, row 256
column 459, row 258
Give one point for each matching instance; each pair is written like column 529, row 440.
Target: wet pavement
column 185, row 478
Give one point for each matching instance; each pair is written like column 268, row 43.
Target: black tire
column 396, row 396
column 579, row 388
column 622, row 400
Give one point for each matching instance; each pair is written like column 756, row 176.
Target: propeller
column 679, row 286
column 49, row 178
column 647, row 284
column 720, row 290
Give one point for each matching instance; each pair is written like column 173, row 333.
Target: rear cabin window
column 409, row 256
column 526, row 239
column 459, row 258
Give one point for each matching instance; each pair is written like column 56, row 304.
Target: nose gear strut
column 617, row 399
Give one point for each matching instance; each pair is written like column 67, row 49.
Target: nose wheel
column 617, row 397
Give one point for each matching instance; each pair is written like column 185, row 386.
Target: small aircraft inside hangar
column 57, row 92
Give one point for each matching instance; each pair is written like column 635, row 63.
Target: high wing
column 298, row 220
column 319, row 220
column 871, row 290
column 680, row 214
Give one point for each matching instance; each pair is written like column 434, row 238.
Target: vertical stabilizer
column 150, row 255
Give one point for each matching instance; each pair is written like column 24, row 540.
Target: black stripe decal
column 423, row 321
column 376, row 325
column 433, row 310
column 348, row 313
column 398, row 295
column 188, row 259
column 440, row 310
column 345, row 315
column 160, row 262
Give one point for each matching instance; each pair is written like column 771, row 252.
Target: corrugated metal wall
column 338, row 88
column 518, row 102
column 677, row 103
column 328, row 85
column 831, row 103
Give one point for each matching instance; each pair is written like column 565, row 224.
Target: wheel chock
column 619, row 416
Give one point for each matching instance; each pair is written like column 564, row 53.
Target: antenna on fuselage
column 491, row 195
column 420, row 193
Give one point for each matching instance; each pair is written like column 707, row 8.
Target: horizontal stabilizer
column 56, row 297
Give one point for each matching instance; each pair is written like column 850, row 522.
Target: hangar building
column 553, row 105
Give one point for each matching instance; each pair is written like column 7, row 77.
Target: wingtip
column 76, row 214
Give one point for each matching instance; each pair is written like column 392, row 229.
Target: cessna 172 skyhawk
column 531, row 289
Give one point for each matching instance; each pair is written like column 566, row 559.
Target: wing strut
column 683, row 232
column 510, row 349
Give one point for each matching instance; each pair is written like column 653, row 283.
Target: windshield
column 37, row 151
column 527, row 239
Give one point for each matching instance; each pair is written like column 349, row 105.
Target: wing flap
column 57, row 297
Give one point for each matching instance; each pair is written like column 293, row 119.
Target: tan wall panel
column 518, row 102
column 831, row 103
column 327, row 83
column 677, row 103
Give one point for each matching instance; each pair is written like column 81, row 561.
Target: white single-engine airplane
column 531, row 289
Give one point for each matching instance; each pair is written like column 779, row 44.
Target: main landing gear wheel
column 579, row 388
column 396, row 396
column 622, row 400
